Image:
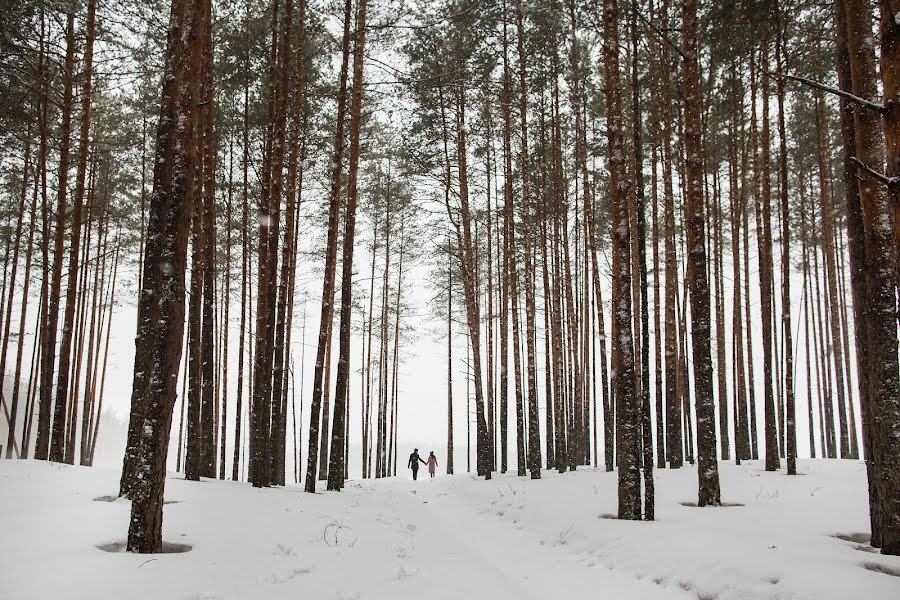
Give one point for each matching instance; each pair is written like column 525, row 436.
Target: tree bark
column 336, row 469
column 790, row 408
column 161, row 307
column 764, row 241
column 628, row 421
column 707, row 468
column 50, row 325
column 883, row 410
column 327, row 310
column 674, row 443
column 534, row 432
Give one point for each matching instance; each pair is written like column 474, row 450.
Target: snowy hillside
column 452, row 537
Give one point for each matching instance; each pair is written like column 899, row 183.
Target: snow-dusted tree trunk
column 673, row 441
column 511, row 270
column 245, row 264
column 790, row 433
column 337, row 470
column 764, row 242
column 883, row 410
column 208, row 354
column 327, row 309
column 707, row 468
column 470, row 287
column 193, row 453
column 288, row 263
column 534, row 432
column 882, row 221
column 659, row 386
column 23, row 309
column 627, row 402
column 51, row 323
column 640, row 202
column 160, row 326
column 506, row 262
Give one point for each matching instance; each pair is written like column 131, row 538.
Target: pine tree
column 337, row 469
column 161, row 306
column 707, row 468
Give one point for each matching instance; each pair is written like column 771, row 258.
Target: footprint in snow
column 284, row 551
column 882, row 568
column 403, row 573
column 281, row 578
column 859, row 537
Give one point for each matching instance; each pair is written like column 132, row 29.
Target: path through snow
column 447, row 538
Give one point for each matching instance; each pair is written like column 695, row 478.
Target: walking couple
column 415, row 459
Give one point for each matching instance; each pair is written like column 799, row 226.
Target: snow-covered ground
column 447, row 538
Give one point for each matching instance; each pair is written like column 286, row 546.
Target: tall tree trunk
column 395, row 397
column 288, row 261
column 707, row 468
column 464, row 236
column 337, row 470
column 327, row 311
column 883, row 410
column 512, row 269
column 655, row 145
column 715, row 207
column 534, row 432
column 674, row 443
column 450, row 360
column 825, row 199
column 93, row 336
column 764, row 240
column 7, row 318
column 790, row 409
column 738, row 197
column 507, row 264
column 95, row 427
column 161, row 307
column 807, row 289
column 245, row 252
column 857, row 252
column 489, row 292
column 193, row 459
column 40, row 186
column 57, row 443
column 890, row 80
column 49, row 329
column 207, row 336
column 380, row 447
column 226, row 301
column 628, row 423
column 646, row 420
column 745, row 210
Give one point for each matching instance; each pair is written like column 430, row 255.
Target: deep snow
column 450, row 537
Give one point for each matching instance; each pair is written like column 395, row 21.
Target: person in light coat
column 432, row 463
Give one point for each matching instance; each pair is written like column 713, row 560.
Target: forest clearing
column 626, row 272
column 448, row 538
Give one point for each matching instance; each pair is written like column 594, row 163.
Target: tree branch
column 889, row 181
column 879, row 108
column 662, row 35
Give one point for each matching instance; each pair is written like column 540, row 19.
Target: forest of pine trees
column 644, row 232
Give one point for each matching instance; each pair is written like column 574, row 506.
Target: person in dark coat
column 414, row 460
